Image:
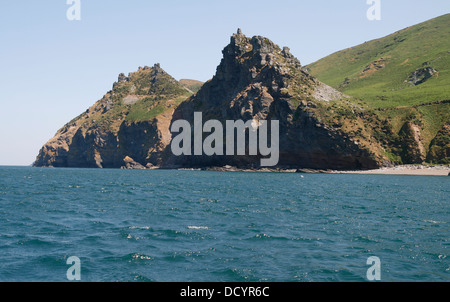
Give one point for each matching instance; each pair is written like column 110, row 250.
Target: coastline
column 419, row 170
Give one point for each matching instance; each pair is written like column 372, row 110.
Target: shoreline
column 419, row 170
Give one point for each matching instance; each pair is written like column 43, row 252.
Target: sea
column 205, row 226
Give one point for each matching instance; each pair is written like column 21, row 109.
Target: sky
column 52, row 69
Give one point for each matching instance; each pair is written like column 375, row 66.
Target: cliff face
column 131, row 120
column 440, row 147
column 256, row 80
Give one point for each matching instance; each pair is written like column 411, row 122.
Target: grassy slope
column 384, row 88
column 404, row 52
column 192, row 85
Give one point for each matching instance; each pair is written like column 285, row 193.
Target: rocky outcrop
column 440, row 147
column 421, row 75
column 413, row 150
column 130, row 121
column 256, row 81
column 131, row 164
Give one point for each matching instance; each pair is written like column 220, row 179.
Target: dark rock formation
column 421, row 75
column 130, row 164
column 256, row 80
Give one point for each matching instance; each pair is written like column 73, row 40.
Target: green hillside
column 378, row 71
column 404, row 77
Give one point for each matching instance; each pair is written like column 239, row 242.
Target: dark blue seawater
column 221, row 226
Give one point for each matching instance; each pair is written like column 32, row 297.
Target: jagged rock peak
column 156, row 70
column 157, row 67
column 122, row 78
column 147, row 81
column 259, row 46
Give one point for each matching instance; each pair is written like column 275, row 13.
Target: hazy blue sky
column 52, row 69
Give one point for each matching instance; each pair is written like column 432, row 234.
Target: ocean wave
column 140, row 228
column 193, row 227
column 433, row 221
column 132, row 257
column 263, row 236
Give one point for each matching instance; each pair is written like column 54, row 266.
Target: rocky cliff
column 256, row 80
column 130, row 121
